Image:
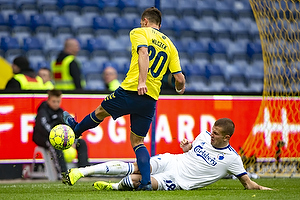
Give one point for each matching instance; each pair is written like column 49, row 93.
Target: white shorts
column 164, row 171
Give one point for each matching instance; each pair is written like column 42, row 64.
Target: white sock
column 109, row 168
column 125, row 184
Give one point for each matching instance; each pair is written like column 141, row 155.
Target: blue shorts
column 140, row 107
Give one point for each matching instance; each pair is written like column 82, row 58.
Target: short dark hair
column 54, row 92
column 22, row 62
column 153, row 15
column 226, row 125
column 46, row 68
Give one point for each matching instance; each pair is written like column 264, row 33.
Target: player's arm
column 179, row 82
column 43, row 120
column 251, row 185
column 75, row 73
column 143, row 61
column 185, row 145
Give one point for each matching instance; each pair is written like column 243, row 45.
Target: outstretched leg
column 91, row 120
column 107, row 168
column 127, row 183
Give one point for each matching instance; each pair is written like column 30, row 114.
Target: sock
column 109, row 168
column 90, row 121
column 125, row 184
column 143, row 162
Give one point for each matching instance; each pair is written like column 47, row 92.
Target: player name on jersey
column 160, row 44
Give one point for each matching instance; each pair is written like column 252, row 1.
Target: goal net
column 273, row 146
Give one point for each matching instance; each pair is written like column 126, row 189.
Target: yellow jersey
column 162, row 55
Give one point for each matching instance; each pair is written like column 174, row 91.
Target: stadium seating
column 254, row 49
column 203, row 27
column 7, row 8
column 88, row 3
column 122, row 23
column 187, row 7
column 215, row 76
column 11, row 47
column 108, row 3
column 206, row 8
column 127, row 4
column 8, row 43
column 32, row 43
column 4, row 27
column 169, row 6
column 236, row 78
column 240, row 30
column 198, row 49
column 99, row 56
column 255, row 77
column 102, row 22
column 49, row 10
column 92, row 72
column 224, row 9
column 142, row 5
column 96, row 44
column 242, row 9
column 119, row 45
column 82, row 25
column 35, row 57
column 83, row 56
column 63, row 3
column 18, row 21
column 219, row 33
column 39, row 20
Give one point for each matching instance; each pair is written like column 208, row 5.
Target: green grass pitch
column 285, row 188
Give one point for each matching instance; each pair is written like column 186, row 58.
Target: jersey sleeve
column 138, row 39
column 174, row 61
column 203, row 136
column 236, row 167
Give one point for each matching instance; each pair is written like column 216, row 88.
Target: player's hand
column 180, row 91
column 142, row 89
column 264, row 188
column 184, row 142
column 185, row 145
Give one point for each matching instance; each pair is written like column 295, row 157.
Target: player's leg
column 134, row 181
column 140, row 119
column 82, row 152
column 142, row 159
column 89, row 121
column 107, row 168
column 113, row 105
column 127, row 183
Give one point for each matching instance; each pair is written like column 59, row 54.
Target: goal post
column 273, row 146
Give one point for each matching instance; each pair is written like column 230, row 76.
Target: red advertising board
column 177, row 117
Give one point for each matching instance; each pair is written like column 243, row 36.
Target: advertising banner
column 177, row 117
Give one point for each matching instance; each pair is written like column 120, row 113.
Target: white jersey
column 205, row 164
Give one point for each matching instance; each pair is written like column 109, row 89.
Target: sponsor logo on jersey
column 205, row 155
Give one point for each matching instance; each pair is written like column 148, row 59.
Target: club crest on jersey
column 205, row 155
column 220, row 156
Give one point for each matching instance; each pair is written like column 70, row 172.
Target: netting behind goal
column 273, row 146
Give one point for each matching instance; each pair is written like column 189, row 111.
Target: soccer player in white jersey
column 153, row 53
column 204, row 161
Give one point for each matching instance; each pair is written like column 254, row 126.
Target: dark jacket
column 45, row 120
column 14, row 84
column 75, row 71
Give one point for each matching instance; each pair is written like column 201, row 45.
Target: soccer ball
column 61, row 137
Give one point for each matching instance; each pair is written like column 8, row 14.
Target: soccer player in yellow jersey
column 152, row 54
